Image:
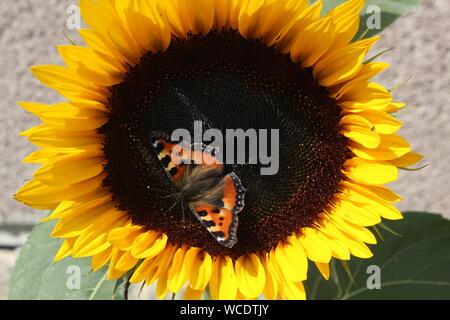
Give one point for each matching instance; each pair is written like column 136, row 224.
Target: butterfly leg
column 179, row 200
column 172, row 206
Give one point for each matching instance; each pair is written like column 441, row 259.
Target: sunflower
column 274, row 64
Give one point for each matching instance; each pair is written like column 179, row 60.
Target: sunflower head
column 273, row 69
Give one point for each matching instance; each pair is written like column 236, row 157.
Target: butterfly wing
column 220, row 222
column 182, row 161
column 218, row 211
column 214, row 199
column 233, row 193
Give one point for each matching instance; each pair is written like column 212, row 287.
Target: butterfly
column 198, row 174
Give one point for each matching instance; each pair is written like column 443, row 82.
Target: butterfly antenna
column 192, row 108
column 160, row 191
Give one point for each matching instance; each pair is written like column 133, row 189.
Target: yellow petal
column 359, row 232
column 91, row 244
column 333, row 237
column 149, row 28
column 360, row 130
column 409, row 159
column 249, row 17
column 379, row 192
column 367, row 72
column 293, row 290
column 84, row 62
column 357, row 248
column 159, row 264
column 74, row 225
column 394, row 107
column 176, row 274
column 363, row 96
column 64, row 251
column 40, row 206
column 221, row 13
column 202, row 15
column 234, row 12
column 114, row 273
column 102, row 17
column 101, row 259
column 80, row 205
column 372, row 204
column 370, row 172
column 36, row 192
column 383, row 122
column 346, row 9
column 391, row 147
column 126, row 262
column 297, row 5
column 198, row 266
column 292, row 259
column 277, row 18
column 339, row 66
column 69, row 84
column 192, row 294
column 223, row 284
column 95, row 238
column 65, row 141
column 346, row 18
column 355, row 213
column 324, row 269
column 305, row 18
column 316, row 249
column 103, row 48
column 30, row 131
column 123, row 237
column 313, row 42
column 161, row 286
column 73, row 116
column 41, row 156
column 250, row 274
column 141, row 271
column 71, row 169
column 32, row 107
column 270, row 291
column 149, row 244
column 346, row 28
column 178, row 23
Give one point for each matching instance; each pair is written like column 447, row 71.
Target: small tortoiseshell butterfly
column 198, row 174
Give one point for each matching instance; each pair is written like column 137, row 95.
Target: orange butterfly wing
column 221, row 220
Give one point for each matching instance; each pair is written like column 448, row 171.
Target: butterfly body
column 213, row 197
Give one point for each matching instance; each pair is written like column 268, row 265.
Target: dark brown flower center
column 229, row 83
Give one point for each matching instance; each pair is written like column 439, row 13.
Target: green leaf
column 390, row 11
column 36, row 276
column 415, row 265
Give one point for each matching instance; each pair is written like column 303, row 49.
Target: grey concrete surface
column 30, row 29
